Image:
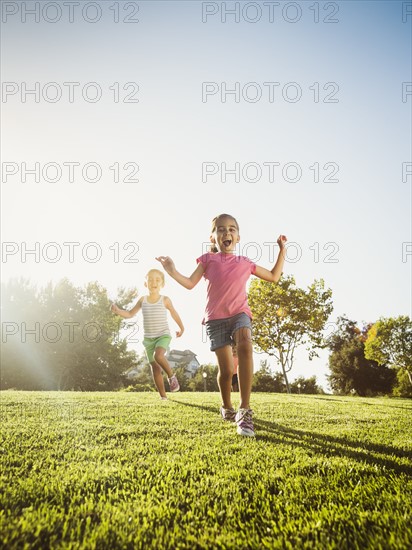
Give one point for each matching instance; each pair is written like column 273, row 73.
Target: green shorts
column 150, row 344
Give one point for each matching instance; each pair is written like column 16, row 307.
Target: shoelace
column 228, row 413
column 246, row 418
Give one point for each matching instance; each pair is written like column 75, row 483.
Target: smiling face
column 154, row 281
column 225, row 234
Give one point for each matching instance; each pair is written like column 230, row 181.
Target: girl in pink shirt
column 227, row 315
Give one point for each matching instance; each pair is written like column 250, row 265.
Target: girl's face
column 154, row 282
column 226, row 235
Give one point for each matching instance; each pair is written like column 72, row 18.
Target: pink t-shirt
column 226, row 276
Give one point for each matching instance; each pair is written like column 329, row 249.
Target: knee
column 244, row 347
column 159, row 354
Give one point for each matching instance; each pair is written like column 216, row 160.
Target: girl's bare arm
column 187, row 282
column 274, row 274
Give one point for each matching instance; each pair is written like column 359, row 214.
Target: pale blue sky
column 362, row 219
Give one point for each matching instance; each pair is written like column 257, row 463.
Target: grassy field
column 126, row 470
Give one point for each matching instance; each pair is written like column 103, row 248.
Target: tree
column 21, row 367
column 143, row 380
column 305, row 386
column 181, row 374
column 285, row 317
column 403, row 386
column 389, row 342
column 64, row 338
column 265, row 381
column 90, row 354
column 350, row 370
column 197, row 383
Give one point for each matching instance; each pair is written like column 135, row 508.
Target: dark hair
column 213, row 247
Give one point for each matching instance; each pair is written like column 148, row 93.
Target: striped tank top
column 154, row 318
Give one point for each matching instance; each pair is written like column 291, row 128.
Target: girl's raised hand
column 281, row 241
column 167, row 263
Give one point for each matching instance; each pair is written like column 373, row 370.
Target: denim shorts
column 220, row 331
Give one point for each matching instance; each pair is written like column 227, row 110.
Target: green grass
column 126, row 470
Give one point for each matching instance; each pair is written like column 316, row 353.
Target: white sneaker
column 245, row 423
column 228, row 414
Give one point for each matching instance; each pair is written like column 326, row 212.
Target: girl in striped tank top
column 156, row 329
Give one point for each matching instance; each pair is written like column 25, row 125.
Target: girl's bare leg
column 157, row 374
column 224, row 376
column 243, row 339
column 160, row 358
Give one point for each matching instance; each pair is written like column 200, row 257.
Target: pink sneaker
column 174, row 384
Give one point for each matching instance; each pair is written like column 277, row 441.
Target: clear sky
column 127, row 126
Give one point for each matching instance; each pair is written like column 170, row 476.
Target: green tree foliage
column 306, row 386
column 180, row 371
column 389, row 342
column 197, row 383
column 143, row 380
column 62, row 337
column 265, row 381
column 285, row 317
column 403, row 387
column 350, row 371
column 21, row 363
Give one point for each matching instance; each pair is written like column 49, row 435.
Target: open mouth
column 227, row 243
